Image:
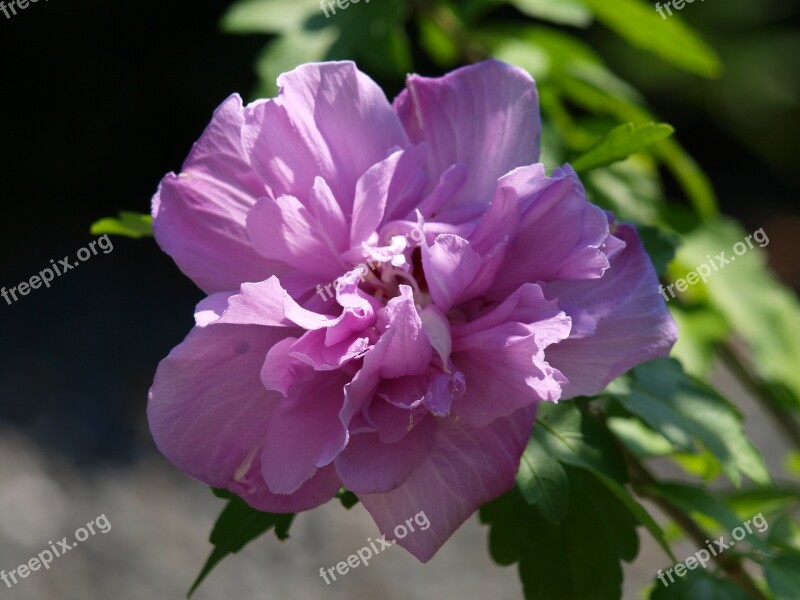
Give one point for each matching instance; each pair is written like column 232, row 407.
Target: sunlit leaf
column 682, row 409
column 128, row 224
column 620, row 143
column 670, row 39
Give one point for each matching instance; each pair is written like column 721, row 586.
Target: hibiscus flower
column 469, row 287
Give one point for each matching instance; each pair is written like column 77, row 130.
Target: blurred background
column 100, row 99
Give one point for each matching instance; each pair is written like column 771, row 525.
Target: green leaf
column 759, row 309
column 702, row 329
column 660, row 245
column 784, row 533
column 682, row 408
column 268, row 16
column 683, row 167
column 576, row 439
column 670, row 39
column 128, row 224
column 285, row 53
column 564, row 12
column 638, row 512
column 791, row 462
column 695, row 585
column 783, row 576
column 698, row 502
column 543, row 482
column 580, row 557
column 374, row 35
column 347, row 498
column 620, row 143
column 639, row 438
column 437, row 43
column 701, row 464
column 238, row 525
column 631, row 189
column 769, row 501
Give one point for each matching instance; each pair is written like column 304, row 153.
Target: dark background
column 101, row 99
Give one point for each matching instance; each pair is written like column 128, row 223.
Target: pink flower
column 417, row 385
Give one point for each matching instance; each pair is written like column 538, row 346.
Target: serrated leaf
column 237, row 526
column 542, row 481
column 578, row 558
column 682, row 408
column 638, row 512
column 620, row 143
column 575, row 438
column 128, row 224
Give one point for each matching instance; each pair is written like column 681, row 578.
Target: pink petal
column 504, row 361
column 304, row 432
column 484, row 116
column 263, row 303
column 199, row 215
column 466, row 467
column 284, row 230
column 455, row 272
column 368, row 465
column 407, row 350
column 560, row 235
column 329, row 120
column 318, row 490
column 632, row 324
column 207, row 408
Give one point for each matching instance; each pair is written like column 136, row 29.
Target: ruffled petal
column 502, row 356
column 560, row 235
column 631, row 323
